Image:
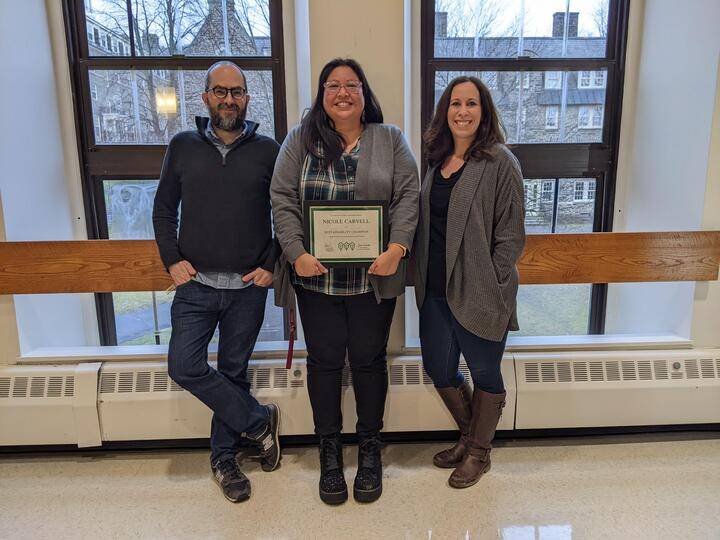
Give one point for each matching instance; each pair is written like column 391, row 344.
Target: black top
column 439, row 203
column 225, row 223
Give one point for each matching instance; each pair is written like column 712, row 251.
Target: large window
column 562, row 122
column 135, row 90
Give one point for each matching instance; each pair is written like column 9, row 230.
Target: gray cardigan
column 485, row 238
column 386, row 171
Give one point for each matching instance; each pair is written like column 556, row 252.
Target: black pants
column 336, row 326
column 443, row 338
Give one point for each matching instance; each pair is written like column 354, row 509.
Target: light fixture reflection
column 166, row 100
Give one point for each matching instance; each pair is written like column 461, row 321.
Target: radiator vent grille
column 707, row 369
column 20, row 387
column 142, row 381
column 280, row 378
column 107, row 382
column 161, row 381
column 4, row 387
column 37, row 387
column 397, row 374
column 54, row 388
column 112, row 382
column 624, row 370
column 346, row 377
column 262, row 379
column 612, row 369
column 125, row 381
column 412, row 374
column 70, row 386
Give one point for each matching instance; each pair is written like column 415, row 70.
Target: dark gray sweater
column 225, row 222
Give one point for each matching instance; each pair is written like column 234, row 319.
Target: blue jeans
column 443, row 338
column 195, row 314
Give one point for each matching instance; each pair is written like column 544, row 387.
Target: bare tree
column 600, row 17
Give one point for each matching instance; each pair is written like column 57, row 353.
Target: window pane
column 150, row 106
column 107, row 27
column 128, row 205
column 477, row 29
column 503, row 29
column 250, row 28
column 539, row 200
column 554, row 109
column 202, row 28
column 553, row 310
column 576, row 205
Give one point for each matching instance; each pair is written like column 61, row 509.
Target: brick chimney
column 559, row 24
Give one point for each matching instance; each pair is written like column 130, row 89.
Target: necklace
column 451, row 166
column 352, row 145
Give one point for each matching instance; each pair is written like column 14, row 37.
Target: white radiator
column 88, row 403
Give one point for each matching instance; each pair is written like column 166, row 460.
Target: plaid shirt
column 333, row 183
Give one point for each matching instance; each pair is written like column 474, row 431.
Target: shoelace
column 329, row 454
column 227, row 468
column 370, row 453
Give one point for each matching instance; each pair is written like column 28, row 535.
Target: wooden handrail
column 134, row 265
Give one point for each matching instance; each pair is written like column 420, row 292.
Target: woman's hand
column 387, row 263
column 307, row 266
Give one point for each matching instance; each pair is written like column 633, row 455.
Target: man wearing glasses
column 221, row 263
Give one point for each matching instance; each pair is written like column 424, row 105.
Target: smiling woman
column 343, row 152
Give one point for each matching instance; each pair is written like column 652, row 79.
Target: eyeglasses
column 333, row 87
column 221, row 92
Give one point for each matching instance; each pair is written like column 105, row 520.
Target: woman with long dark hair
column 342, row 151
column 469, row 239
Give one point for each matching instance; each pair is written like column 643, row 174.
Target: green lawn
column 553, row 310
column 127, row 302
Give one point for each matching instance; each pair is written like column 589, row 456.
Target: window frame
column 556, row 80
column 555, row 124
column 102, row 162
column 596, row 161
column 593, row 114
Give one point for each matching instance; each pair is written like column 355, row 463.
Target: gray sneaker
column 269, row 440
column 234, row 484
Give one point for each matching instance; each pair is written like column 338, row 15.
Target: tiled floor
column 640, row 486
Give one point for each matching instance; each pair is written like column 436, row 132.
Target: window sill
column 139, row 353
column 278, row 349
column 583, row 343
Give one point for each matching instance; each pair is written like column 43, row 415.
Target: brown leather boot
column 486, row 411
column 457, row 401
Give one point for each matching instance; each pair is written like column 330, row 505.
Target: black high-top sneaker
column 234, row 484
column 269, row 440
column 333, row 489
column 368, row 481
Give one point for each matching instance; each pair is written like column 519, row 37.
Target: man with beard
column 221, row 263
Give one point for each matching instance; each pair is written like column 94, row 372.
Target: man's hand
column 181, row 272
column 387, row 263
column 260, row 277
column 307, row 266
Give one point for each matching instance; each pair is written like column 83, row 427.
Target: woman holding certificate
column 345, row 208
column 470, row 237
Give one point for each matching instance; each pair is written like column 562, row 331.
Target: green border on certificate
column 346, row 233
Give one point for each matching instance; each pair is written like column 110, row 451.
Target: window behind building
column 562, row 122
column 134, row 91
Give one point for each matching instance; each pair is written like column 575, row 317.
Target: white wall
column 706, row 307
column 668, row 175
column 38, row 201
column 671, row 86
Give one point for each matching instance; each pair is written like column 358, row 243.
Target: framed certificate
column 346, row 233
